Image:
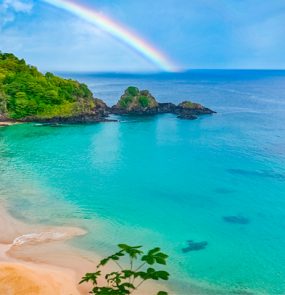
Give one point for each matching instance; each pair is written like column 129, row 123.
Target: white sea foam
column 34, row 238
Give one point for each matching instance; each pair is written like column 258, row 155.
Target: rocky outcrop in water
column 136, row 102
column 166, row 107
column 191, row 110
column 195, row 246
column 27, row 95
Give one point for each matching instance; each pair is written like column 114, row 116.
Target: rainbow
column 118, row 31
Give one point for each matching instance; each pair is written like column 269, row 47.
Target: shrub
column 144, row 101
column 133, row 90
column 127, row 280
column 125, row 101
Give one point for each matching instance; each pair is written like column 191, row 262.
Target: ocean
column 162, row 181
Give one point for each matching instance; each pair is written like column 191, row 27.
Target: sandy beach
column 36, row 260
column 8, row 123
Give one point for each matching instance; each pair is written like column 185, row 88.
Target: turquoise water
column 163, row 181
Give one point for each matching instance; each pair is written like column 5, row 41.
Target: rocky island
column 26, row 95
column 136, row 102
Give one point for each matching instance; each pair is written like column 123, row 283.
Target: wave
column 34, row 238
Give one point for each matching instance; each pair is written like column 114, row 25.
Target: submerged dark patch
column 194, row 246
column 260, row 173
column 223, row 190
column 242, row 292
column 236, row 219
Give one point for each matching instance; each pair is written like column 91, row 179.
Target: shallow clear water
column 163, row 181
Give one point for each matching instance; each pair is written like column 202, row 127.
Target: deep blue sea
column 164, row 181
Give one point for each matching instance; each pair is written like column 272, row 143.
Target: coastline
column 8, row 123
column 36, row 260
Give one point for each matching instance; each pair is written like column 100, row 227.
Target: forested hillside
column 27, row 93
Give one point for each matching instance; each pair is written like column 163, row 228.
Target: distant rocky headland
column 26, row 95
column 136, row 102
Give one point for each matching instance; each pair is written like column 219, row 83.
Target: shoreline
column 8, row 123
column 36, row 260
column 185, row 110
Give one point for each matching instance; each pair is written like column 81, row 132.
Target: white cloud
column 9, row 9
column 17, row 5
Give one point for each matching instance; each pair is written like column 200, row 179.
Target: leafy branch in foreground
column 127, row 280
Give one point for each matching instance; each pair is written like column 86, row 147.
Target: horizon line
column 87, row 72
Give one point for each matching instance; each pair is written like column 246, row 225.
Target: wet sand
column 36, row 260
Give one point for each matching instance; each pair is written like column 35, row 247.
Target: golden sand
column 36, row 260
column 19, row 279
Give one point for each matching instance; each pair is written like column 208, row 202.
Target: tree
column 126, row 280
column 25, row 92
column 3, row 101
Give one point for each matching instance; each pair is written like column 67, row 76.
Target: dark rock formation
column 101, row 108
column 191, row 110
column 186, row 116
column 3, row 118
column 195, row 246
column 132, row 102
column 166, row 107
column 236, row 219
column 83, row 118
column 31, row 96
column 136, row 102
column 98, row 114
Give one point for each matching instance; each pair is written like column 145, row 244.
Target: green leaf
column 133, row 251
column 90, row 277
column 164, row 275
column 121, row 282
column 148, row 259
column 155, row 256
column 128, row 273
column 153, row 251
column 104, row 261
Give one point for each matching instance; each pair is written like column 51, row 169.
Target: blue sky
column 193, row 33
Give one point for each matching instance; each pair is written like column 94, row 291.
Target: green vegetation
column 133, row 90
column 127, row 280
column 144, row 101
column 27, row 93
column 134, row 99
column 126, row 101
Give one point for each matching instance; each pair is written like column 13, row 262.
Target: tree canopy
column 25, row 92
column 133, row 99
